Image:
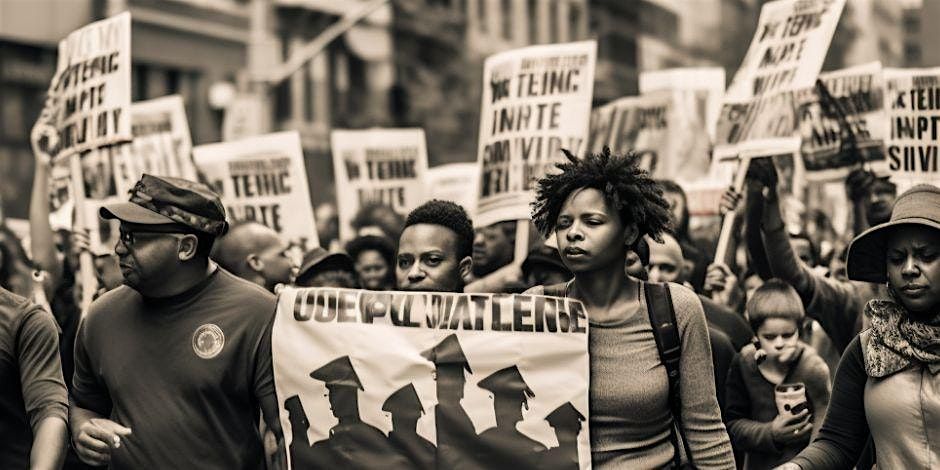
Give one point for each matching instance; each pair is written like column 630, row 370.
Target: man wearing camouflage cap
column 172, row 368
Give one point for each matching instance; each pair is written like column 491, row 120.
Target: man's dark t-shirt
column 185, row 373
column 31, row 384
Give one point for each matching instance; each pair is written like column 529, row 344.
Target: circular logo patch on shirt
column 208, row 341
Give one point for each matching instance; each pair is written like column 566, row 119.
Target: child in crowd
column 756, row 426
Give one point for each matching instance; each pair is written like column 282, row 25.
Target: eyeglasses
column 128, row 238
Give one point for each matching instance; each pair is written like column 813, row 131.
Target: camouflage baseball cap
column 165, row 200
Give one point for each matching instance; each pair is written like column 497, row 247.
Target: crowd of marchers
column 805, row 351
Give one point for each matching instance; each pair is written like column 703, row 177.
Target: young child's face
column 778, row 337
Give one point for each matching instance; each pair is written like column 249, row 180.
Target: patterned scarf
column 898, row 342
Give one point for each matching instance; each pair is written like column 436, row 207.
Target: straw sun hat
column 919, row 205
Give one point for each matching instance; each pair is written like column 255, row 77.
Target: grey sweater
column 630, row 418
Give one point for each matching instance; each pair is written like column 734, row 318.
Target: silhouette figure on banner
column 566, row 420
column 301, row 454
column 405, row 408
column 456, row 437
column 503, row 446
column 352, row 444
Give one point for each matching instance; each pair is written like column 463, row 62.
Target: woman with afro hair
column 598, row 208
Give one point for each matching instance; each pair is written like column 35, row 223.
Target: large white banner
column 93, row 85
column 387, row 166
column 457, row 182
column 701, row 91
column 379, row 380
column 536, row 101
column 853, row 109
column 263, row 179
column 670, row 140
column 785, row 56
column 912, row 99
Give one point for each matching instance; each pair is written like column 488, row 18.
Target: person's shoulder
column 686, row 303
column 535, row 290
column 114, row 302
column 249, row 298
column 13, row 306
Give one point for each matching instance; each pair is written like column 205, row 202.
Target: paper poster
column 785, row 56
column 431, row 380
column 167, row 115
column 536, row 101
column 61, row 196
column 93, row 85
column 387, row 166
column 263, row 179
column 912, row 100
column 701, row 90
column 457, row 182
column 845, row 124
column 671, row 143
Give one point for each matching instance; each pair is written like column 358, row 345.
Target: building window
column 574, row 21
column 533, row 12
column 506, row 17
column 553, row 21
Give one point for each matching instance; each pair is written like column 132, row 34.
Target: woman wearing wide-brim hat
column 888, row 381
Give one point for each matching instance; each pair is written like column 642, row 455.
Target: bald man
column 666, row 265
column 256, row 253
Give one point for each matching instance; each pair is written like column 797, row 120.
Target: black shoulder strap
column 666, row 333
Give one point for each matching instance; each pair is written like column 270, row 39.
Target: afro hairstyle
column 449, row 215
column 627, row 189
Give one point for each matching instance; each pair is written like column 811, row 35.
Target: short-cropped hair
column 774, row 299
column 449, row 215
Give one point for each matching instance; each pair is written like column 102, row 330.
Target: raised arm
column 42, row 244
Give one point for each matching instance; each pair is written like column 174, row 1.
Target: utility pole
column 265, row 69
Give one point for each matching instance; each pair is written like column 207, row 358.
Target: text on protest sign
column 785, row 56
column 536, row 102
column 670, row 142
column 262, row 179
column 93, row 85
column 912, row 99
column 431, row 380
column 848, row 126
column 386, row 166
column 702, row 90
column 166, row 115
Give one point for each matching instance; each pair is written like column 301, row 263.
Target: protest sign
column 431, row 380
column 700, row 89
column 670, row 142
column 785, row 56
column 844, row 124
column 536, row 101
column 93, row 85
column 912, row 99
column 387, row 166
column 263, row 179
column 456, row 182
column 61, row 196
column 166, row 115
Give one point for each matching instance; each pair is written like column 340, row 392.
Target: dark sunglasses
column 128, row 237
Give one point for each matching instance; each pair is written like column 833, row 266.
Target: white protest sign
column 785, row 56
column 431, row 380
column 671, row 143
column 912, row 99
column 536, row 101
column 384, row 166
column 263, row 179
column 167, row 115
column 457, row 182
column 701, row 91
column 93, row 85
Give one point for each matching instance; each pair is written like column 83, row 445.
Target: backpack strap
column 662, row 316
